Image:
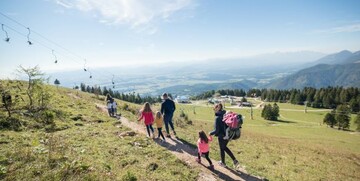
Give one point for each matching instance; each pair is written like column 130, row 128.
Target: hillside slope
column 83, row 144
column 340, row 69
column 322, row 75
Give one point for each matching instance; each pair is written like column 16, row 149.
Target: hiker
column 114, row 108
column 147, row 115
column 219, row 131
column 110, row 108
column 167, row 109
column 108, row 97
column 109, row 102
column 203, row 148
column 159, row 123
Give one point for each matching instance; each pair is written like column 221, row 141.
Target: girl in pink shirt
column 203, row 148
column 147, row 115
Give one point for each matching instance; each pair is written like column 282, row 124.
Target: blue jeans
column 167, row 121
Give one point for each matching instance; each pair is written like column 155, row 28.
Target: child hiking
column 203, row 148
column 147, row 115
column 114, row 106
column 110, row 108
column 159, row 123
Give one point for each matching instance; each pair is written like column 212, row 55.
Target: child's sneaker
column 198, row 160
column 174, row 133
column 211, row 167
column 168, row 136
column 221, row 164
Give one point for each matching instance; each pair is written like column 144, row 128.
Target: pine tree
column 343, row 116
column 270, row 112
column 329, row 119
column 275, row 112
column 354, row 105
column 357, row 121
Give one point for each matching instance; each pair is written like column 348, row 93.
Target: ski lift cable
column 39, row 43
column 47, row 39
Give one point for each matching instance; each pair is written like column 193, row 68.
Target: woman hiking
column 219, row 131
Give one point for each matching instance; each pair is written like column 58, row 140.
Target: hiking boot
column 211, row 167
column 236, row 164
column 221, row 164
column 198, row 160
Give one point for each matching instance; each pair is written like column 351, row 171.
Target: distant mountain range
column 339, row 69
column 277, row 70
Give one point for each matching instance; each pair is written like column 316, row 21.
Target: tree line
column 129, row 97
column 329, row 97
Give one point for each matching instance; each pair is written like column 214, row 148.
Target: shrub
column 129, row 177
column 11, row 123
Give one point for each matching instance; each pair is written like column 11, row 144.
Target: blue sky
column 137, row 32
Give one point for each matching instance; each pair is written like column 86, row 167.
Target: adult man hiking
column 167, row 109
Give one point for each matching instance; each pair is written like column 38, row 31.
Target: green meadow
column 297, row 147
column 85, row 144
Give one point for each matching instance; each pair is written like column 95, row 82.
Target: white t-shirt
column 114, row 104
column 109, row 105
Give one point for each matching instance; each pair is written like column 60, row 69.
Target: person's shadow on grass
column 182, row 146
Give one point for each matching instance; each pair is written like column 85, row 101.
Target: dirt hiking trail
column 186, row 153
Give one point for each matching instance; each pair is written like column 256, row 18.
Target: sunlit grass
column 87, row 149
column 298, row 147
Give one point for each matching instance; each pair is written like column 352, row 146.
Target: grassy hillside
column 298, row 147
column 84, row 145
column 322, row 75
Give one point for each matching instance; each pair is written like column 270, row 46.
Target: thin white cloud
column 64, row 3
column 341, row 29
column 138, row 14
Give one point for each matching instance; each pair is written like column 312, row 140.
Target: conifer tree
column 357, row 121
column 329, row 119
column 343, row 117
